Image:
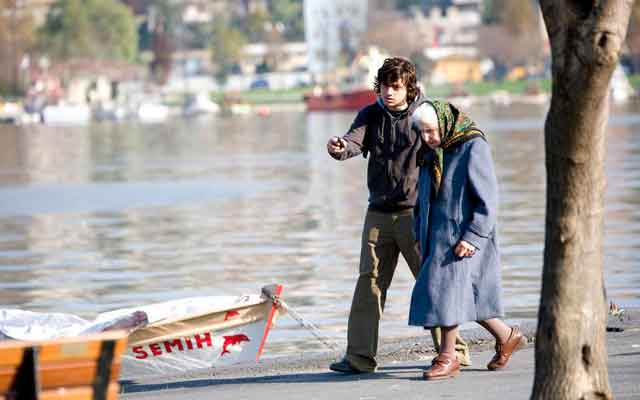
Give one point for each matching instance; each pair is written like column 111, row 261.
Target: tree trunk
column 571, row 357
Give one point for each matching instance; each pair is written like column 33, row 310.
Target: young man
column 383, row 132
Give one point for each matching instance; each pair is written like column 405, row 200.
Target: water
column 111, row 216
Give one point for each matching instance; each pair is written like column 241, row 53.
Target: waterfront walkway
column 399, row 376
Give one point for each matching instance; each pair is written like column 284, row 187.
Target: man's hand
column 464, row 249
column 336, row 145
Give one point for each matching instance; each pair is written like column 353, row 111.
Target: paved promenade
column 398, row 378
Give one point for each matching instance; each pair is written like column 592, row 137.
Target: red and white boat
column 201, row 332
column 171, row 337
column 347, row 100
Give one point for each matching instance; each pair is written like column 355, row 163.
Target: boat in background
column 334, row 32
column 355, row 89
column 151, row 112
column 351, row 100
column 66, row 114
column 199, row 104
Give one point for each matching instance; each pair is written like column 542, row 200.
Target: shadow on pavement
column 626, row 354
column 133, row 387
column 401, row 372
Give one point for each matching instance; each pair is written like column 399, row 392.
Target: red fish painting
column 231, row 314
column 232, row 341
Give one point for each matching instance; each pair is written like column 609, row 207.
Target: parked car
column 259, row 84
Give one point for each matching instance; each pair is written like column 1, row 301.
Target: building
column 291, row 56
column 456, row 69
column 451, row 28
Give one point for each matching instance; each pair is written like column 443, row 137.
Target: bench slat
column 61, row 349
column 69, row 368
column 60, row 374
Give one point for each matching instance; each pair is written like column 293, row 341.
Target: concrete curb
column 390, row 351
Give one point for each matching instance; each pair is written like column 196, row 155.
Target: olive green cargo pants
column 384, row 237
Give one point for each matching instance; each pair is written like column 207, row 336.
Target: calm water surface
column 111, row 216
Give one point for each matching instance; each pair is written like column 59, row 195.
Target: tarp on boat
column 170, row 337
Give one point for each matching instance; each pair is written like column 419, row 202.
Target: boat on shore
column 66, row 114
column 199, row 104
column 199, row 333
column 167, row 338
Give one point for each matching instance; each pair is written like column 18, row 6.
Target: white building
column 330, row 27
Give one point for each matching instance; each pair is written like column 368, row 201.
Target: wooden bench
column 84, row 367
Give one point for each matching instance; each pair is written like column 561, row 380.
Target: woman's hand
column 464, row 249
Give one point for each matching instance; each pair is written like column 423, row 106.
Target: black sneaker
column 345, row 367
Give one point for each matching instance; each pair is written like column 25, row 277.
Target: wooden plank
column 71, row 368
column 66, row 373
column 75, row 373
column 78, row 393
column 72, row 374
column 11, row 356
column 76, row 348
column 70, row 351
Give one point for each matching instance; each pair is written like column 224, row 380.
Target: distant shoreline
column 521, row 90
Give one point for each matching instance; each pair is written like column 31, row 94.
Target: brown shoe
column 504, row 350
column 442, row 367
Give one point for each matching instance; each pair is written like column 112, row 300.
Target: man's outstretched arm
column 352, row 143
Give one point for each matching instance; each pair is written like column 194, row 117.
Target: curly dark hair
column 397, row 69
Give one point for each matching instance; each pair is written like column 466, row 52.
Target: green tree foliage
column 255, row 25
column 226, row 47
column 114, row 30
column 493, row 12
column 103, row 29
column 633, row 39
column 167, row 17
column 513, row 34
column 289, row 13
column 634, row 23
column 17, row 37
column 517, row 16
column 197, row 36
column 520, row 16
column 167, row 30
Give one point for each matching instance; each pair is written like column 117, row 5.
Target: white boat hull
column 232, row 335
column 179, row 335
column 66, row 114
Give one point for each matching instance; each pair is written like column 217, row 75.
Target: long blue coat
column 449, row 290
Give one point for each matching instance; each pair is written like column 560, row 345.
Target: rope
column 302, row 322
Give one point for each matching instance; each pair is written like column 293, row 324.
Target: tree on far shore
column 226, row 47
column 17, row 37
column 586, row 40
column 512, row 33
column 103, row 29
column 633, row 38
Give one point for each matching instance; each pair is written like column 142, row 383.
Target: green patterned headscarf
column 455, row 128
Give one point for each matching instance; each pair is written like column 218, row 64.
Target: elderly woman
column 456, row 225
